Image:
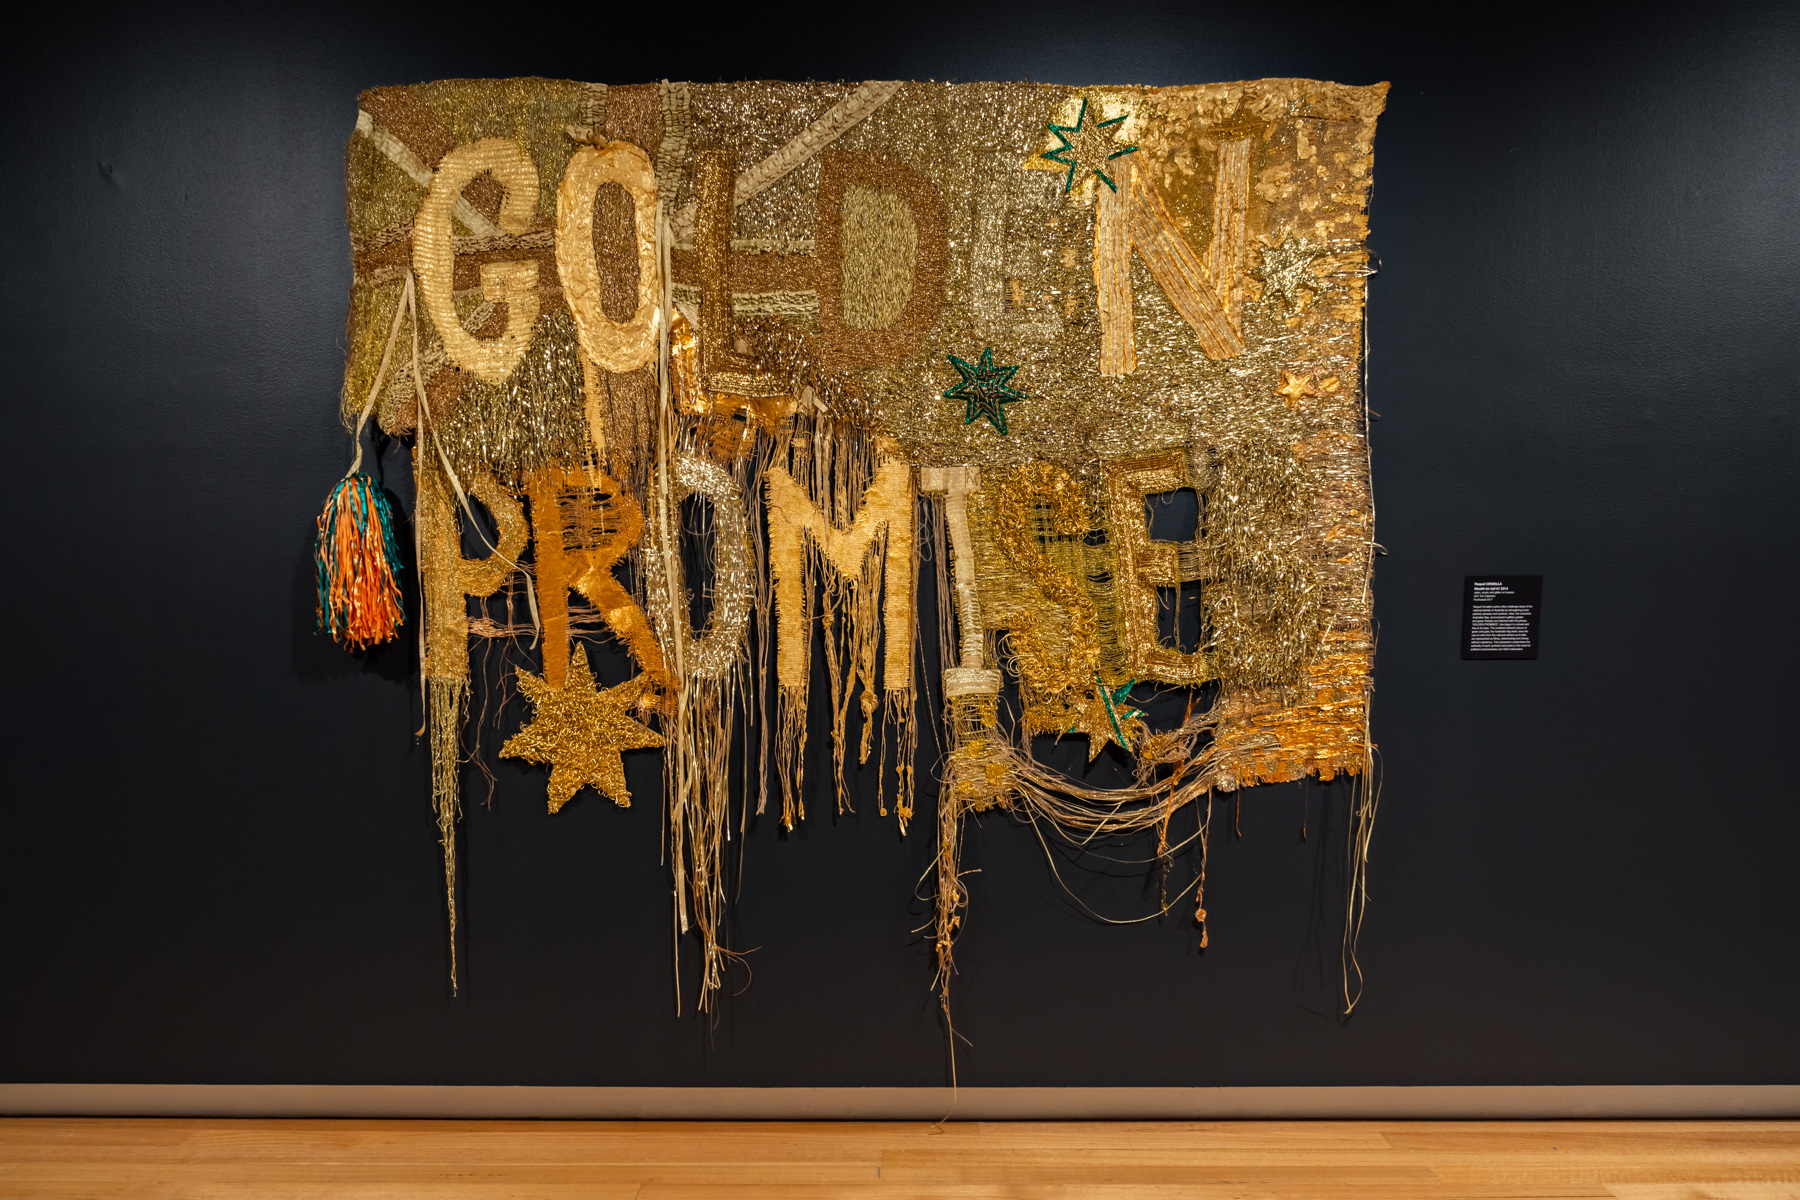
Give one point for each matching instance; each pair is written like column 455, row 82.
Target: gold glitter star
column 1295, row 386
column 1288, row 267
column 1103, row 716
column 580, row 731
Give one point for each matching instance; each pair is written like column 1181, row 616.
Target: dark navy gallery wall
column 217, row 856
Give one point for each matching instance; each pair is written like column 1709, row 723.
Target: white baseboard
column 900, row 1103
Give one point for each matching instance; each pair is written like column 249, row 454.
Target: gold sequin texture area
column 768, row 297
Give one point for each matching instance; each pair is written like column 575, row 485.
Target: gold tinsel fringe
column 448, row 700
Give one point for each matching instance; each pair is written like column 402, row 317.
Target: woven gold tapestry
column 806, row 353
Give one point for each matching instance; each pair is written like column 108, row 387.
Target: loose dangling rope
column 1365, row 796
column 682, row 781
column 409, row 303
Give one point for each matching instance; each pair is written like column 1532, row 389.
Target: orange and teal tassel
column 358, row 564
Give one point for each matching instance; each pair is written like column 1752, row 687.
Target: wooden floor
column 1327, row 1160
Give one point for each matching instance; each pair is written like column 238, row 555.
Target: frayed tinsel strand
column 358, row 565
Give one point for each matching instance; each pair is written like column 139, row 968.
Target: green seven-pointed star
column 987, row 389
column 1087, row 147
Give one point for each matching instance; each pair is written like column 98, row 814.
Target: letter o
column 615, row 345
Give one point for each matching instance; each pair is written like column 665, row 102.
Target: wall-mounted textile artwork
column 713, row 369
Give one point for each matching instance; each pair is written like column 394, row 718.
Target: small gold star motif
column 1288, row 267
column 580, row 731
column 1294, row 386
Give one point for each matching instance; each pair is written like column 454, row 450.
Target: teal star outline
column 1063, row 131
column 986, row 388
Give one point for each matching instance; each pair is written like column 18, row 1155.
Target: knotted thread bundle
column 358, row 565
